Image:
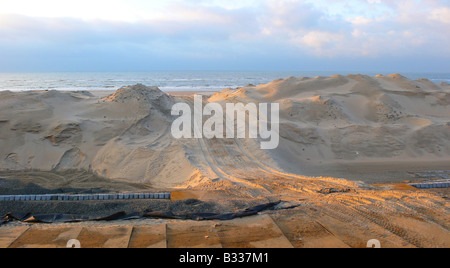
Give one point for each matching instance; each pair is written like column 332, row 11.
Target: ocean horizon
column 169, row 80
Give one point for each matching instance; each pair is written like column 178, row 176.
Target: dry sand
column 363, row 130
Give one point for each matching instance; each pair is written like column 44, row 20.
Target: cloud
column 442, row 15
column 237, row 32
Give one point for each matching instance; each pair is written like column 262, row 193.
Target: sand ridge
column 355, row 118
column 324, row 121
column 331, row 127
column 122, row 136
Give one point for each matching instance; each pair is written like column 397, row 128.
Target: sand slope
column 123, row 136
column 324, row 120
column 354, row 119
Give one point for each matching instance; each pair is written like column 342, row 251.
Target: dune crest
column 324, row 120
column 124, row 136
column 355, row 119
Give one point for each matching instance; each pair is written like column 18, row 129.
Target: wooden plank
column 149, row 237
column 252, row 232
column 9, row 234
column 192, row 235
column 105, row 237
column 46, row 237
column 305, row 232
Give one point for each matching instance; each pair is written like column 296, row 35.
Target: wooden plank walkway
column 252, row 232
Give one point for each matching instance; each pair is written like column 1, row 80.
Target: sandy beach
column 349, row 146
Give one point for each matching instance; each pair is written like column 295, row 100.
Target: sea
column 166, row 80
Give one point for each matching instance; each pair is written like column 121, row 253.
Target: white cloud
column 323, row 28
column 441, row 15
column 115, row 10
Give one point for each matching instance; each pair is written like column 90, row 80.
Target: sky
column 145, row 35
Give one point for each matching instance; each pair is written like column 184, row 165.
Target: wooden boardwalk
column 253, row 232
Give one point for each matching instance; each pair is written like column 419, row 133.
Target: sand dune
column 324, row 120
column 123, row 136
column 354, row 119
column 362, row 129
